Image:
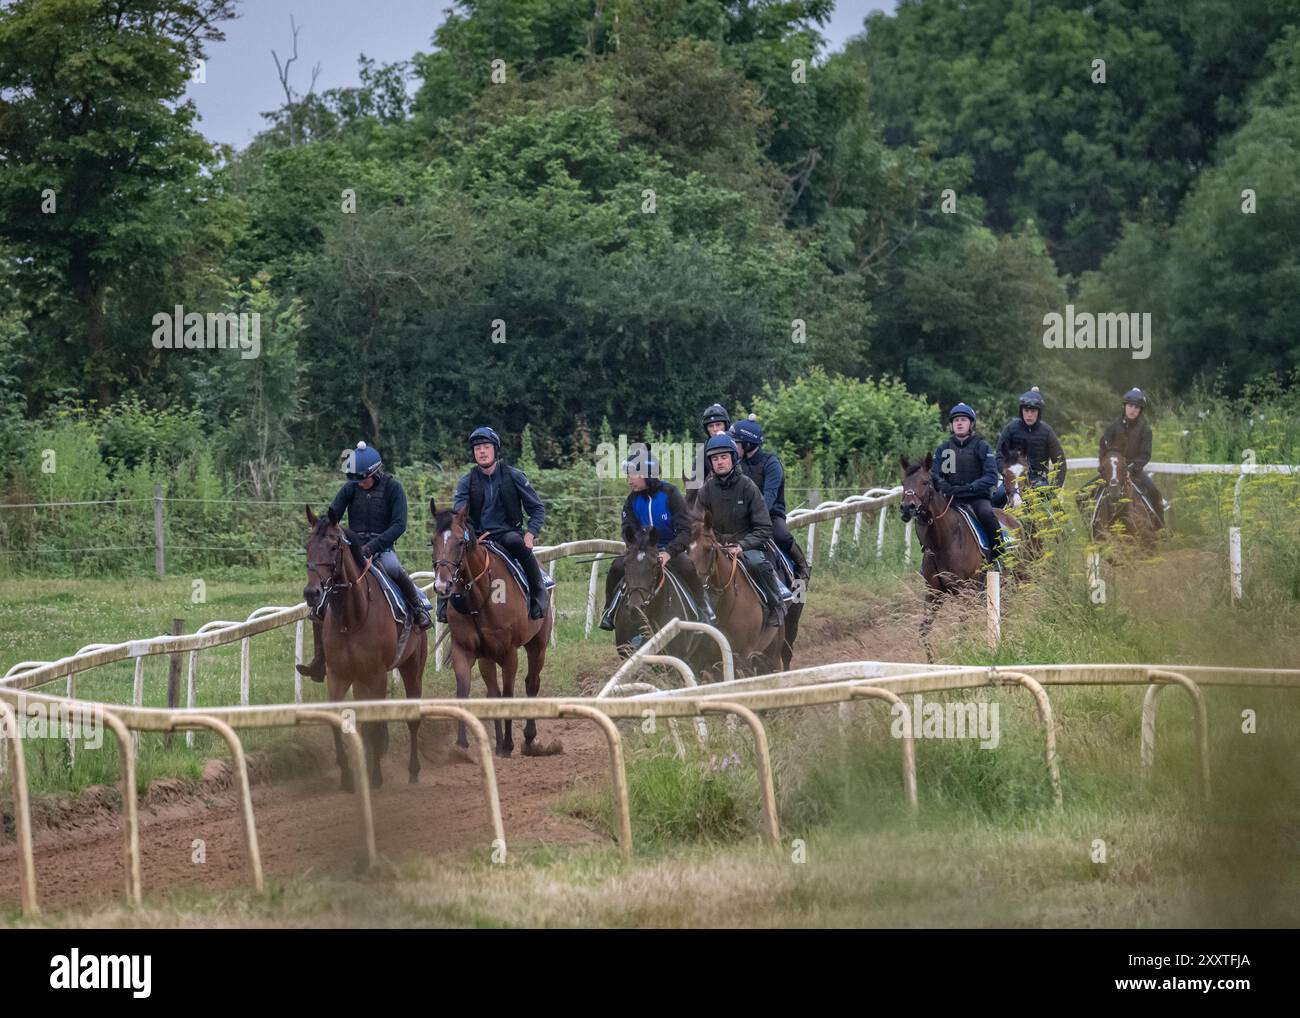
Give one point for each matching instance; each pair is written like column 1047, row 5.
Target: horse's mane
column 353, row 542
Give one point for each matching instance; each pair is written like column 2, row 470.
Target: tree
column 101, row 159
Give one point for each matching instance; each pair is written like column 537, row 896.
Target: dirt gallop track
column 308, row 826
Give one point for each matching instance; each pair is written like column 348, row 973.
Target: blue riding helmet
column 962, row 410
column 722, row 443
column 748, row 431
column 485, row 436
column 1136, row 396
column 364, row 461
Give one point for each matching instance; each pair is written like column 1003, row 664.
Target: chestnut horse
column 488, row 616
column 952, row 561
column 1119, row 505
column 361, row 640
column 737, row 605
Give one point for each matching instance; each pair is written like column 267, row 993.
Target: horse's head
column 642, row 572
column 324, row 546
column 452, row 538
column 704, row 545
column 917, row 489
column 1114, row 468
column 1014, row 473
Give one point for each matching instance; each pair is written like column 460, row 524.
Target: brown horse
column 952, row 560
column 488, row 616
column 1119, row 506
column 739, row 608
column 362, row 642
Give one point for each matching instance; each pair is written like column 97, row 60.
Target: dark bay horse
column 1119, row 505
column 361, row 639
column 739, row 608
column 952, row 561
column 488, row 617
column 650, row 600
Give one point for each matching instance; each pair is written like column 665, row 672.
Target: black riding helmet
column 716, row 413
column 1032, row 400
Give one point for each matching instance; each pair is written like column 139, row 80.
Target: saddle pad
column 516, row 570
column 787, row 594
column 396, row 603
column 1008, row 539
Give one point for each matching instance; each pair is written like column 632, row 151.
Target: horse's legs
column 791, row 633
column 489, row 670
column 536, row 651
column 373, row 737
column 345, row 769
column 927, row 621
column 508, row 669
column 461, row 664
column 412, row 671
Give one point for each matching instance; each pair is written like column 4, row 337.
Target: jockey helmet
column 716, row 413
column 641, row 462
column 962, row 410
column 749, row 431
column 361, row 462
column 485, row 436
column 1136, row 396
column 1032, row 400
column 722, row 443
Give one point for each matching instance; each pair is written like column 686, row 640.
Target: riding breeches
column 786, row 542
column 388, row 561
column 988, row 521
column 513, row 543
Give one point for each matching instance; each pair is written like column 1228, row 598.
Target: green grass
column 987, row 847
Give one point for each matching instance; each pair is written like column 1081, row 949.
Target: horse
column 1119, row 505
column 488, row 619
column 649, row 601
column 951, row 558
column 1027, row 505
column 793, row 613
column 738, row 606
column 362, row 642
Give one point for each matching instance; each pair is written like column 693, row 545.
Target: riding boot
column 536, row 586
column 800, row 562
column 419, row 613
column 607, row 616
column 442, row 609
column 696, row 586
column 774, row 609
column 315, row 669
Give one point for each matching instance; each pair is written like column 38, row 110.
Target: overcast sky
column 241, row 78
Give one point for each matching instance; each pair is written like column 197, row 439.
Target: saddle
column 1008, row 538
column 779, row 563
column 516, row 570
column 693, row 613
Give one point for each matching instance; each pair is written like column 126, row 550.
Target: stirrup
column 607, row 619
column 420, row 616
column 313, row 669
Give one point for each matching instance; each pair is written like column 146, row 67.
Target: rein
column 333, row 586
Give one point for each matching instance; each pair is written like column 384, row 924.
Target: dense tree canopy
column 576, row 211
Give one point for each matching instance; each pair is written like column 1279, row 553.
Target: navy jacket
column 377, row 515
column 974, row 472
column 765, row 470
column 503, row 498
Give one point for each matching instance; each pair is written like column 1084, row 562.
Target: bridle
column 333, row 586
column 715, row 549
column 457, row 565
column 921, row 510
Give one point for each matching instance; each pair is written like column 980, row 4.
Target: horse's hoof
column 414, row 779
column 537, row 748
column 505, row 752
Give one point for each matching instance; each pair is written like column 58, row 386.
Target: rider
column 716, row 421
column 765, row 470
column 498, row 496
column 653, row 502
column 965, row 469
column 375, row 505
column 740, row 519
column 1130, row 436
column 1030, row 435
